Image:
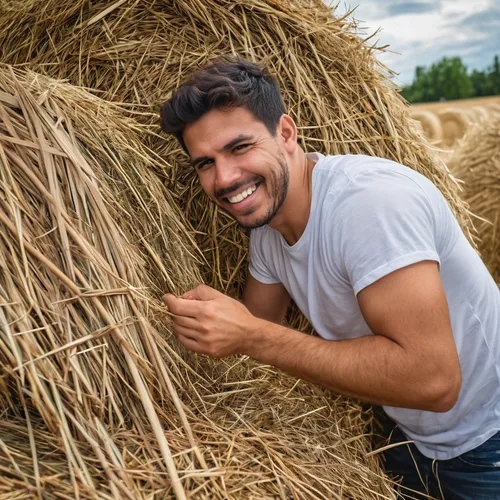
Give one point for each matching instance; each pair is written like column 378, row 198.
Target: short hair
column 225, row 83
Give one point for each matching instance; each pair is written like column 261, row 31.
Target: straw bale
column 138, row 52
column 454, row 123
column 480, row 113
column 476, row 161
column 430, row 124
column 97, row 400
column 135, row 53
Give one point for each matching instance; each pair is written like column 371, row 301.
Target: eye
column 202, row 165
column 240, row 147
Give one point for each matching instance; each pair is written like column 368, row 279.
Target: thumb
column 202, row 292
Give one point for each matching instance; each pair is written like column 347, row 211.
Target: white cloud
column 424, row 31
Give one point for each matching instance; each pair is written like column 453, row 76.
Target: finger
column 187, row 332
column 190, row 295
column 168, row 298
column 187, row 322
column 190, row 344
column 204, row 292
column 181, row 307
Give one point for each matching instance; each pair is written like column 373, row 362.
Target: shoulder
column 339, row 172
column 378, row 199
column 261, row 233
column 377, row 180
column 263, row 239
column 384, row 218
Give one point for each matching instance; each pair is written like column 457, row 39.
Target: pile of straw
column 95, row 205
column 138, row 52
column 476, row 161
column 74, row 315
column 430, row 124
column 454, row 123
column 98, row 399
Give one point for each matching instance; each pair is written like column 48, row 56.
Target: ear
column 287, row 131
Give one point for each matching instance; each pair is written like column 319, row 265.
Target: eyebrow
column 236, row 140
column 227, row 147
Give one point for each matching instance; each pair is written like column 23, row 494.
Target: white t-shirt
column 370, row 217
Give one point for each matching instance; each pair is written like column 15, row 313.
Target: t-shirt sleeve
column 385, row 222
column 259, row 266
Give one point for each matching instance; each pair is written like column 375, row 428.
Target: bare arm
column 411, row 361
column 269, row 302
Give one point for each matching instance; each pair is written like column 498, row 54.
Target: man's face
column 240, row 165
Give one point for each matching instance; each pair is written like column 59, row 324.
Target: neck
column 292, row 218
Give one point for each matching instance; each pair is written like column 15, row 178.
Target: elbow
column 445, row 392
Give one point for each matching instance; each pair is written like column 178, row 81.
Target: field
column 445, row 122
column 435, row 107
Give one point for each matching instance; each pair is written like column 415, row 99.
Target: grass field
column 461, row 103
column 447, row 121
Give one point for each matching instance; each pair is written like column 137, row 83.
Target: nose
column 227, row 174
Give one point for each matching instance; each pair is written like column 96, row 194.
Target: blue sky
column 423, row 31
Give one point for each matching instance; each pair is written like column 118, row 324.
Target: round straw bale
column 139, row 52
column 480, row 113
column 476, row 161
column 430, row 124
column 494, row 108
column 454, row 123
column 75, row 305
column 96, row 399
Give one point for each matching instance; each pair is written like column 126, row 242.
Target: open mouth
column 242, row 195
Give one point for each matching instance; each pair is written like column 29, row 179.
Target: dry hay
column 493, row 108
column 479, row 113
column 97, row 400
column 476, row 161
column 138, row 195
column 74, row 312
column 430, row 125
column 454, row 123
column 247, row 421
column 137, row 52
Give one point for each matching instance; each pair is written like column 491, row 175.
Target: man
column 408, row 315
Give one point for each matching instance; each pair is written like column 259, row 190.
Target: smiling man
column 408, row 315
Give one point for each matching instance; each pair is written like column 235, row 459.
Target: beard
column 280, row 182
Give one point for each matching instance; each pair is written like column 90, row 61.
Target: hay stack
column 97, row 400
column 476, row 161
column 259, row 433
column 77, row 349
column 454, row 123
column 430, row 125
column 138, row 52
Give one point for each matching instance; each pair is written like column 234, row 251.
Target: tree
column 481, row 83
column 446, row 79
column 449, row 79
column 495, row 76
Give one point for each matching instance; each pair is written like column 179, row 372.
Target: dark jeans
column 475, row 475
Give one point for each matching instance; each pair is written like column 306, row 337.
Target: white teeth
column 241, row 196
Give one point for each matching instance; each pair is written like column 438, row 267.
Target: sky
column 422, row 32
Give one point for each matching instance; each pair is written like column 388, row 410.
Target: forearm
column 372, row 368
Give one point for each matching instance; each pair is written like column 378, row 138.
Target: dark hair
column 225, row 83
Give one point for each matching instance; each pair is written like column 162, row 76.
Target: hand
column 209, row 322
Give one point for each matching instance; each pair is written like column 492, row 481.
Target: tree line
column 449, row 79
